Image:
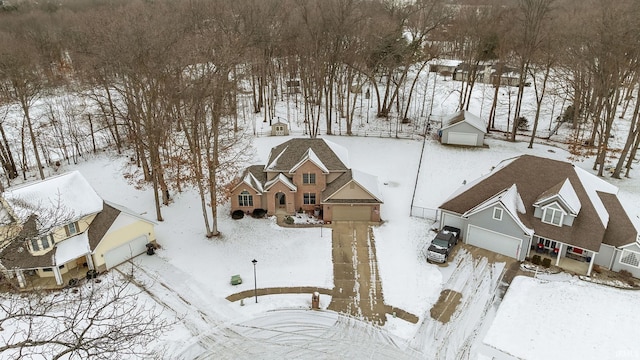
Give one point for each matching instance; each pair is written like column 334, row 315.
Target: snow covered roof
column 310, row 156
column 592, row 184
column 283, row 179
column 69, row 195
column 368, row 182
column 465, row 116
column 445, row 62
column 567, row 195
column 72, row 248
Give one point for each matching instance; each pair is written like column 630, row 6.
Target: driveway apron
column 358, row 290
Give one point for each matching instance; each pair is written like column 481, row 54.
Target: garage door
column 352, row 213
column 493, row 241
column 125, row 252
column 459, row 138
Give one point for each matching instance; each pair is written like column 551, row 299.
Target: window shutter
column 66, row 230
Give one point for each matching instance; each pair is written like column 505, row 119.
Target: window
column 35, row 244
column 631, row 258
column 245, row 199
column 309, row 198
column 497, row 213
column 71, row 229
column 45, row 241
column 552, row 216
column 309, row 178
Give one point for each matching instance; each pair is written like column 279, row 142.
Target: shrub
column 288, row 220
column 536, row 259
column 238, row 214
column 597, row 269
column 546, row 262
column 625, row 274
column 523, row 123
column 259, row 213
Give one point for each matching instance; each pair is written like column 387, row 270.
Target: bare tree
column 96, row 320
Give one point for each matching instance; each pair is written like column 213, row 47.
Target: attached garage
column 493, row 241
column 352, row 213
column 125, row 251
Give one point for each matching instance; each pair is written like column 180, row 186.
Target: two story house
column 531, row 204
column 57, row 229
column 310, row 175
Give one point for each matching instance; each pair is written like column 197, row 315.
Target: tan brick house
column 311, row 175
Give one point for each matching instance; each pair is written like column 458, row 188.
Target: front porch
column 578, row 267
column 32, row 281
column 564, row 256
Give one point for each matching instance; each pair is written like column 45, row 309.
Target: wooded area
column 170, row 78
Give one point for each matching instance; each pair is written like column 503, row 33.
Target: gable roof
column 282, row 179
column 68, row 195
column 565, row 193
column 254, row 177
column 366, row 182
column 100, row 224
column 511, row 201
column 534, row 176
column 464, row 116
column 103, row 221
column 309, row 155
column 287, row 155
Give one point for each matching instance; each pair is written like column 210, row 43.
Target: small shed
column 279, row 129
column 463, row 128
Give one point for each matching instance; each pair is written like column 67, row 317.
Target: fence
column 359, row 133
column 426, row 213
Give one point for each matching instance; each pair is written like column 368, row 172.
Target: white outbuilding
column 463, row 128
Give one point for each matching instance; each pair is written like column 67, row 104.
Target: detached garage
column 463, row 128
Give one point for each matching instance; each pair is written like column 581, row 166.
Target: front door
column 281, row 200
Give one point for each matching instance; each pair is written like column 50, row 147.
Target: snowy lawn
column 567, row 319
column 193, row 272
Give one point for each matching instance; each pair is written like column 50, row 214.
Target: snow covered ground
column 190, row 274
column 565, row 318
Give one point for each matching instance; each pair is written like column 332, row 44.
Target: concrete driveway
column 358, row 290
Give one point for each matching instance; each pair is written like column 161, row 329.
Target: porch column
column 20, row 278
column 559, row 252
column 593, row 257
column 89, row 261
column 56, row 273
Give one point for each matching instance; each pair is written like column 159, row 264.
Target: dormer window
column 308, row 178
column 552, row 216
column 497, row 213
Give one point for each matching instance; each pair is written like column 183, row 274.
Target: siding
column 463, row 127
column 124, row 229
column 507, row 225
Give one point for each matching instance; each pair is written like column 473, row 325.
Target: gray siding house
column 463, row 128
column 530, row 204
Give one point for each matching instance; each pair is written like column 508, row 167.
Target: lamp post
column 255, row 281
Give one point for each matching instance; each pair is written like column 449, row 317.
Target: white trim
column 500, row 210
column 518, row 251
column 550, row 208
column 636, row 257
